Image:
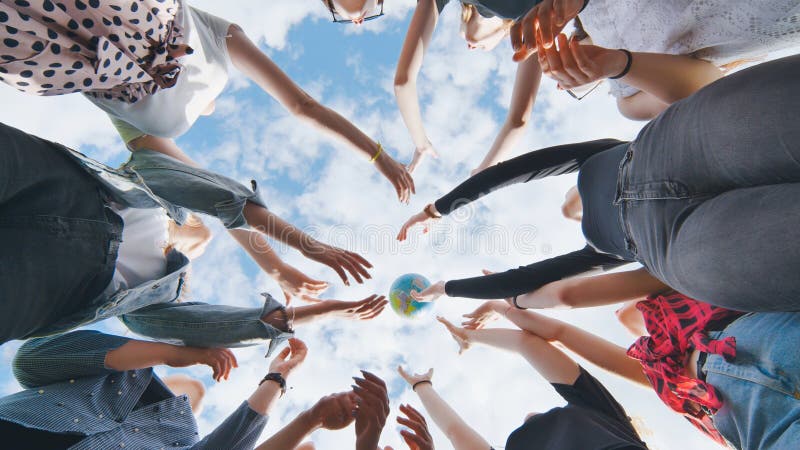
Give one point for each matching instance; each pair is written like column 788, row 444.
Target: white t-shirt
column 140, row 257
column 720, row 31
column 171, row 112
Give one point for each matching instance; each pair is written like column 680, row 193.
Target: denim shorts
column 761, row 387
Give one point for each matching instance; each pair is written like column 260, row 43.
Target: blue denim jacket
column 153, row 180
column 70, row 390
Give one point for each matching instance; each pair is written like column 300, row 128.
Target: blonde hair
column 469, row 11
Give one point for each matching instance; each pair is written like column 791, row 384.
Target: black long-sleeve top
column 535, row 165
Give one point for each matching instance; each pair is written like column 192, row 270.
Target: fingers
column 298, row 349
column 568, row 63
column 418, row 157
column 371, row 390
column 371, row 308
column 450, row 327
column 287, row 297
column 515, row 34
column 403, row 373
column 413, row 414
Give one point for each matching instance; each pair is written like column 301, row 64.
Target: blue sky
column 312, row 180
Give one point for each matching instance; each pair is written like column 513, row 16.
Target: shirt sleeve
column 126, row 131
column 535, row 165
column 589, row 393
column 239, row 431
column 51, row 359
column 533, row 276
column 440, row 4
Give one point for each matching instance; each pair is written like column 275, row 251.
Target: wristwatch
column 276, row 377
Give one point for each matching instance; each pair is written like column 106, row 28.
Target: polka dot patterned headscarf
column 111, row 49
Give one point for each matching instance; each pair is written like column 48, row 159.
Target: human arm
column 365, row 309
column 418, row 36
column 416, row 436
column 332, row 412
column 668, row 78
column 372, row 399
column 526, row 85
column 597, row 290
column 241, row 429
column 550, row 362
column 548, row 17
column 86, row 353
column 640, row 106
column 257, row 66
column 292, row 281
column 458, row 432
column 525, row 279
column 535, row 165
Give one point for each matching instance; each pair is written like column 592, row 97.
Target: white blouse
column 140, row 258
column 171, row 112
column 720, row 31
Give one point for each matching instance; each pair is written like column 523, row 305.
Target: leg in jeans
column 204, row 325
column 739, row 250
column 761, row 387
column 56, row 245
column 690, row 213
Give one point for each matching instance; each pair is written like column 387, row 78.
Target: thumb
column 287, row 297
column 523, row 53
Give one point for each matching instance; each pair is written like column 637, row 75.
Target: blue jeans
column 58, row 250
column 709, row 190
column 203, row 325
column 761, row 387
column 58, row 241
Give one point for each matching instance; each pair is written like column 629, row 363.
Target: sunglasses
column 340, row 19
column 581, row 92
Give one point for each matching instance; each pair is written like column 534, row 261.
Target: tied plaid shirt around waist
column 677, row 325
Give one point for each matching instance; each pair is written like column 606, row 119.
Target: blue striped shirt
column 69, row 390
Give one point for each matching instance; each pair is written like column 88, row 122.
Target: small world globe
column 400, row 295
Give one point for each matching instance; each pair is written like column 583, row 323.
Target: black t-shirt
column 592, row 420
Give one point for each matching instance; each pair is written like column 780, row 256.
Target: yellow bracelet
column 378, row 153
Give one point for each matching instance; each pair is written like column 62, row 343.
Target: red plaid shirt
column 677, row 325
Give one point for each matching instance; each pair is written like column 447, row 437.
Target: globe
column 400, row 295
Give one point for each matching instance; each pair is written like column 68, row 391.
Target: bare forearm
column 270, row 224
column 598, row 290
column 408, row 104
column 140, row 355
column 292, row 434
column 526, row 85
column 333, row 124
column 259, row 250
column 551, row 363
column 670, row 77
column 593, row 348
column 460, row 434
column 264, row 397
column 307, row 313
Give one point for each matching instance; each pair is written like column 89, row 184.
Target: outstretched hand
column 420, row 218
column 372, row 409
column 414, row 378
column 221, row 360
column 339, row 260
column 335, row 411
column 430, row 294
column 459, row 334
column 289, row 358
column 541, row 25
column 365, row 309
column 420, row 154
column 295, row 283
column 398, row 175
column 417, row 436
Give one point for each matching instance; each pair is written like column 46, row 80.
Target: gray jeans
column 709, row 190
